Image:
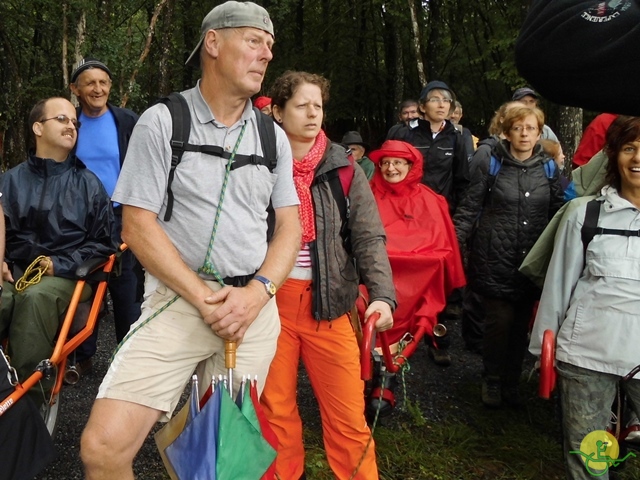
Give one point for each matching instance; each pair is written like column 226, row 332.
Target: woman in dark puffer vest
column 505, row 210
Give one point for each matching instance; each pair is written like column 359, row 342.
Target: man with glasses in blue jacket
column 57, row 215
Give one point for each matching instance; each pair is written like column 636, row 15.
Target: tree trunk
column 145, row 51
column 298, row 29
column 326, row 14
column 81, row 33
column 569, row 132
column 65, row 46
column 398, row 87
column 415, row 27
column 164, row 84
column 434, row 39
column 13, row 138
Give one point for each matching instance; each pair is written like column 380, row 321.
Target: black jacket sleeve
column 557, row 194
column 583, row 53
column 460, row 170
column 470, row 207
column 398, row 132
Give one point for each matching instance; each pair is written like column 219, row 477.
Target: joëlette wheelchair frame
column 548, row 378
column 393, row 363
column 96, row 271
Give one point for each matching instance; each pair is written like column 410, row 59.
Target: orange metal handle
column 64, row 346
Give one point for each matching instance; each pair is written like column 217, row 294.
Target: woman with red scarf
column 421, row 244
column 315, row 301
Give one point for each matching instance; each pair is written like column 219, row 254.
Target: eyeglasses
column 528, row 128
column 64, row 120
column 395, row 163
column 439, row 100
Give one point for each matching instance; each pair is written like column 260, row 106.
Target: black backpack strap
column 240, row 160
column 267, row 133
column 590, row 225
column 332, row 178
column 181, row 128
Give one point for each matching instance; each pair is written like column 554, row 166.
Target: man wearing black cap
column 216, row 233
column 358, row 148
column 445, row 163
column 530, row 98
column 445, row 170
column 102, row 146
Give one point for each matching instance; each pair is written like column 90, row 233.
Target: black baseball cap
column 87, row 63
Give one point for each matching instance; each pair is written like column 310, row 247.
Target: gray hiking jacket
column 592, row 306
column 335, row 277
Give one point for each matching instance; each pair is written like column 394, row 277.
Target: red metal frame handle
column 392, row 363
column 368, row 334
column 547, row 365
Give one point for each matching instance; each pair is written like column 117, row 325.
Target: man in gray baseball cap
column 191, row 314
column 232, row 14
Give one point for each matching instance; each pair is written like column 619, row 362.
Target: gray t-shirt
column 240, row 244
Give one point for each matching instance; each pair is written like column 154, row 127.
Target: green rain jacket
column 588, row 181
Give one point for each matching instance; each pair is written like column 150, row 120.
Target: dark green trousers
column 31, row 320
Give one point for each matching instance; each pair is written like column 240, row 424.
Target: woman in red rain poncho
column 421, row 244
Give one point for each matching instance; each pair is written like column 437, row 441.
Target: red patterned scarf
column 303, row 173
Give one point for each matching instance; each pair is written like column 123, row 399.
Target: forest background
column 375, row 52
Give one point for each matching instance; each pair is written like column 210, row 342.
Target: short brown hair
column 550, row 147
column 623, row 130
column 287, row 84
column 37, row 114
column 516, row 114
column 495, row 126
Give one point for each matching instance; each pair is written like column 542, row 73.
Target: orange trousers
column 330, row 354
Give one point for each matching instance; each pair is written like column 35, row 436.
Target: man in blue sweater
column 102, row 146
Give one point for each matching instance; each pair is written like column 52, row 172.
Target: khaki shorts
column 153, row 366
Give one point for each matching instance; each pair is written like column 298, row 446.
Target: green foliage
column 365, row 47
column 471, row 443
column 416, row 414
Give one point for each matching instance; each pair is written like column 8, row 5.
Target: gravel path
column 435, row 388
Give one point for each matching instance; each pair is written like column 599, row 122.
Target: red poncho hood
column 397, row 149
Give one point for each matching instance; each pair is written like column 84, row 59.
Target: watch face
column 272, row 288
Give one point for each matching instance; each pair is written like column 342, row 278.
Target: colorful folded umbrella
column 223, row 440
